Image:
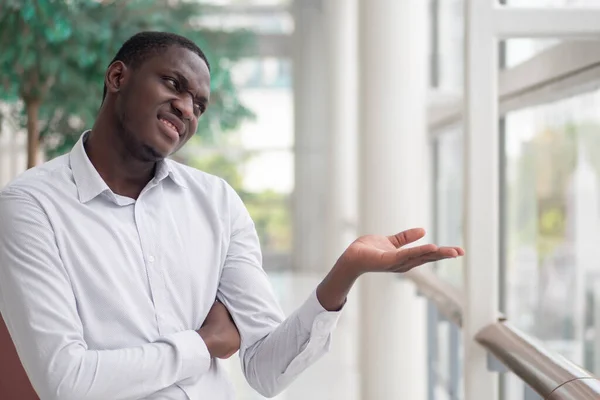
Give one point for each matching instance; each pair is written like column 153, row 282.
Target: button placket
column 152, row 221
column 144, row 234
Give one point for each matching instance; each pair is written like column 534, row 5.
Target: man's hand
column 374, row 253
column 220, row 333
column 385, row 253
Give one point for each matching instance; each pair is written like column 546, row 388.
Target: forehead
column 183, row 61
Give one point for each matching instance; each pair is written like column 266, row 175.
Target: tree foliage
column 54, row 53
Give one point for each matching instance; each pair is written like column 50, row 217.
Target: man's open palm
column 373, row 253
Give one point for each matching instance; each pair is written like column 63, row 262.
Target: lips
column 170, row 125
column 168, row 130
column 173, row 124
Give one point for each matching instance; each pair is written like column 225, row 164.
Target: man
column 119, row 268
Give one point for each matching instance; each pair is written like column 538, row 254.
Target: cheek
column 137, row 116
column 143, row 113
column 141, row 99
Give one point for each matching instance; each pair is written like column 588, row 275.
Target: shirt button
column 151, row 259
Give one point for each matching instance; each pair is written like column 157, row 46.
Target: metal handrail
column 551, row 375
column 446, row 297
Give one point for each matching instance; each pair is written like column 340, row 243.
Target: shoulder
column 200, row 180
column 40, row 181
column 24, row 200
column 214, row 191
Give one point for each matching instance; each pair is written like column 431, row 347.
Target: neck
column 123, row 173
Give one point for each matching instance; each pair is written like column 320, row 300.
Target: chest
column 144, row 269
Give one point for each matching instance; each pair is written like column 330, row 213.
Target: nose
column 185, row 106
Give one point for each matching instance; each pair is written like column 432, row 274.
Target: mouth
column 173, row 128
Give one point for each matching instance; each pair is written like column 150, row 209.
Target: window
column 522, row 49
column 553, row 3
column 449, row 200
column 549, row 188
column 266, row 17
column 447, row 45
column 448, row 362
column 553, row 225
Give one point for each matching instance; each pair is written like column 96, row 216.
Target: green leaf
column 70, row 44
column 28, row 11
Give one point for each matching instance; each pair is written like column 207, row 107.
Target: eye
column 199, row 108
column 172, row 82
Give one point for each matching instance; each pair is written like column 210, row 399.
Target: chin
column 153, row 153
column 160, row 149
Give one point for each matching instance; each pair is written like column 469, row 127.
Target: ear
column 115, row 77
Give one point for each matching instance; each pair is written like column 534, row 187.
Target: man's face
column 160, row 102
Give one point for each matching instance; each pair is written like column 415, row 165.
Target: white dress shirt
column 102, row 294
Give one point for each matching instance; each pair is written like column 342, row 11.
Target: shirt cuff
column 192, row 353
column 315, row 319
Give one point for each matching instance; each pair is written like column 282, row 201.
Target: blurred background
column 334, row 118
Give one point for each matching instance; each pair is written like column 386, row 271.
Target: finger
column 417, row 262
column 459, row 250
column 405, row 237
column 449, row 251
column 421, row 259
column 439, row 254
column 404, row 255
column 408, row 255
column 390, row 258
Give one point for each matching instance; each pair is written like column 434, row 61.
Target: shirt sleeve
column 274, row 350
column 40, row 312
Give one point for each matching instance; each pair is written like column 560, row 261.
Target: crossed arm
column 40, row 310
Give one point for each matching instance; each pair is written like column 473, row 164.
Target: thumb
column 405, row 237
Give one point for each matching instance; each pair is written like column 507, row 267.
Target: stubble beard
column 135, row 147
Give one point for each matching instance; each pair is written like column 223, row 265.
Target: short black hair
column 141, row 46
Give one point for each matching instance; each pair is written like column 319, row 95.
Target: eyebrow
column 186, row 85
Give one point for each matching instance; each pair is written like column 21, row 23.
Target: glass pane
column 262, row 73
column 449, row 203
column 449, row 363
column 553, row 225
column 523, row 49
column 261, row 16
column 267, row 23
column 553, row 3
column 245, row 2
column 447, row 45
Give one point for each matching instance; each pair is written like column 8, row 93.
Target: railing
column 550, row 375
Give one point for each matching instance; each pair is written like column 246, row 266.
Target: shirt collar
column 89, row 182
column 166, row 168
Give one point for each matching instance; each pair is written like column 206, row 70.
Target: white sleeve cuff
column 192, row 353
column 315, row 319
column 319, row 324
